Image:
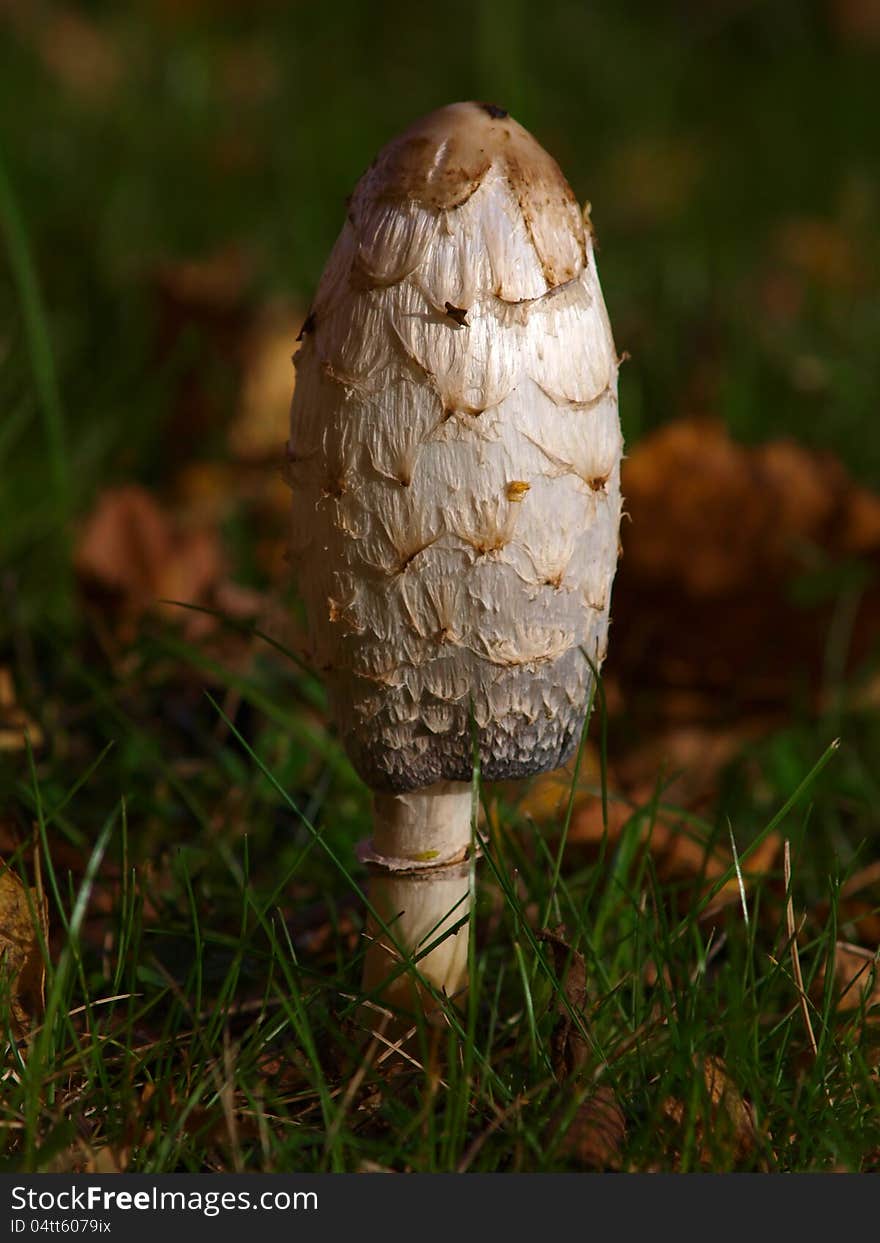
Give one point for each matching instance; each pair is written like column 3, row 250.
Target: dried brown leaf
column 857, row 21
column 595, row 1137
column 709, row 514
column 24, row 921
column 547, row 795
column 680, row 857
column 856, row 979
column 107, row 1160
column 729, row 1127
column 730, row 1106
column 132, row 550
column 569, row 1049
column 725, row 592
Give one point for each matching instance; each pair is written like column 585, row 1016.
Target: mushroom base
column 419, row 910
column 420, row 895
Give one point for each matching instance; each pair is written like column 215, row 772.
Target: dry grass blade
column 226, row 1095
column 795, row 957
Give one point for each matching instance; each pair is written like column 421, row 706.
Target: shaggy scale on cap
column 455, row 455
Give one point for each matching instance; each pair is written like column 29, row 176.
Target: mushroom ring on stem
column 455, row 457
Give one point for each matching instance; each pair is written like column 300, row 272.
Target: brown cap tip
column 442, row 159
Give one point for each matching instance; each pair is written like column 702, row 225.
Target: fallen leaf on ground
column 733, row 562
column 680, row 855
column 207, row 493
column 728, row 1127
column 730, row 1105
column 132, row 550
column 680, row 858
column 24, row 920
column 107, row 1161
column 569, row 1049
column 594, row 1138
column 858, row 910
column 546, row 797
column 709, row 515
column 856, row 979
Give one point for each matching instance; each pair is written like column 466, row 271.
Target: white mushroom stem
column 431, row 826
column 420, row 889
column 419, row 908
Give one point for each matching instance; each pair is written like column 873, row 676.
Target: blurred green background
column 730, row 150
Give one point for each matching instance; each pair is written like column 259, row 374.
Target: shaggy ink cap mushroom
column 455, row 459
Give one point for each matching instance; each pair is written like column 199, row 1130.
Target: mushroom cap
column 454, row 456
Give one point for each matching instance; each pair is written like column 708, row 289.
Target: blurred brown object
column 134, row 554
column 15, row 723
column 595, row 1137
column 821, row 250
column 706, row 629
column 681, row 854
column 203, row 324
column 856, row 980
column 710, row 517
column 260, row 428
column 653, row 179
column 727, row 1123
column 75, row 51
column 857, row 21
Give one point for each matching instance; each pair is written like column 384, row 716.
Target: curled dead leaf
column 593, row 1139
